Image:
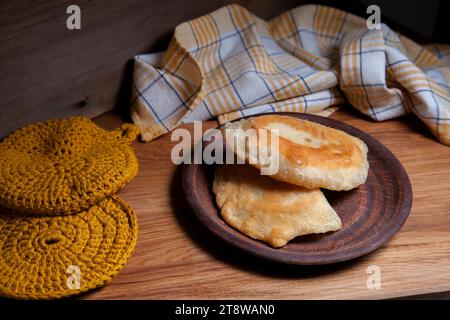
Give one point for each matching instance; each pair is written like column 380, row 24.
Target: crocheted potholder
column 44, row 257
column 64, row 166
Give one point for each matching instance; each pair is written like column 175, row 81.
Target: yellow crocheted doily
column 44, row 257
column 64, row 166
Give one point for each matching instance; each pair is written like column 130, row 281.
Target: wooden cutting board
column 177, row 257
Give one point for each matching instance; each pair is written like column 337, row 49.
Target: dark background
column 48, row 71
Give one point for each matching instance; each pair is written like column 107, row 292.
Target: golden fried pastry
column 269, row 210
column 310, row 154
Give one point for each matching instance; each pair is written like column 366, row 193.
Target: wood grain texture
column 177, row 257
column 371, row 214
column 48, row 71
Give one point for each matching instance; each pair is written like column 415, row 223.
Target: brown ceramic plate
column 371, row 214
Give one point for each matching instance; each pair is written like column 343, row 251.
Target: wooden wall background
column 48, row 71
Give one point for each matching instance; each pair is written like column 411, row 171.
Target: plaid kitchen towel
column 230, row 64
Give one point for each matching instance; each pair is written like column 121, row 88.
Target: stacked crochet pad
column 62, row 229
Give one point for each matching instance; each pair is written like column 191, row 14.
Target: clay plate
column 371, row 214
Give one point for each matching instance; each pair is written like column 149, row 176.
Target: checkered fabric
column 230, row 64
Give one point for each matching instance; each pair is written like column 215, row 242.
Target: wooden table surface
column 177, row 258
